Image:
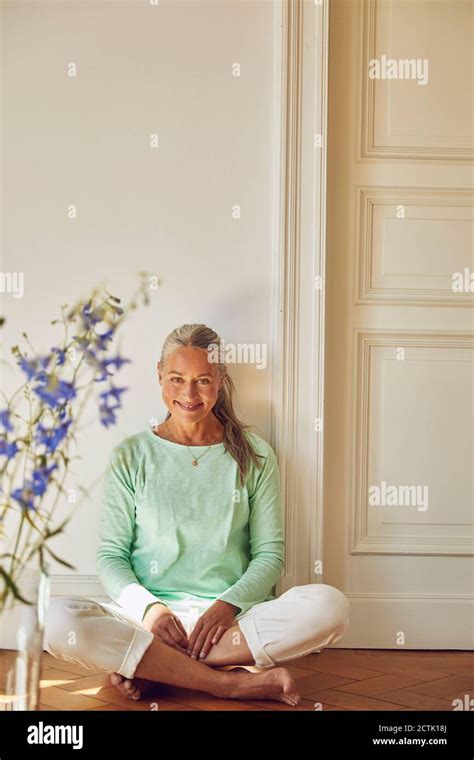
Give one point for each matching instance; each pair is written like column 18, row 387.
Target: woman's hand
column 162, row 621
column 210, row 627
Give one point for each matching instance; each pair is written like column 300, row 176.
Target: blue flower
column 5, row 419
column 114, row 392
column 103, row 339
column 116, row 361
column 35, row 487
column 8, row 450
column 54, row 391
column 89, row 316
column 41, row 478
column 31, row 366
column 61, row 411
column 61, row 356
column 24, row 496
column 52, row 437
column 107, row 414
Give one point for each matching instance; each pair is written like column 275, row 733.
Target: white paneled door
column 399, row 385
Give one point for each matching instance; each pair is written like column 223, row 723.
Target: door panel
column 398, row 479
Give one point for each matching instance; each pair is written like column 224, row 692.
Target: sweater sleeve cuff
column 227, row 597
column 135, row 598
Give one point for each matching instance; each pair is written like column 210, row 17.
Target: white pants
column 104, row 637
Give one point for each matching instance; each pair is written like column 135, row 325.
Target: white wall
column 141, row 69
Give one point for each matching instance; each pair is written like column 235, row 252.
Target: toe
column 132, row 690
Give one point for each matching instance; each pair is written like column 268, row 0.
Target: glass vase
column 21, row 640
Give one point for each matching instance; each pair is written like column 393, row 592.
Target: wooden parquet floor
column 335, row 679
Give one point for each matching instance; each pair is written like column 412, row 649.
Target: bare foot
column 275, row 683
column 133, row 688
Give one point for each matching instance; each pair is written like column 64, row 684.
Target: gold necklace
column 194, row 458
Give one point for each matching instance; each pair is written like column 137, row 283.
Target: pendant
column 194, row 462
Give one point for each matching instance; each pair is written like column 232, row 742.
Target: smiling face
column 190, row 384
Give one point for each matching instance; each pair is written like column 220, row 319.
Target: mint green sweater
column 169, row 529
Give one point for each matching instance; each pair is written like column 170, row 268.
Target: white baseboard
column 376, row 620
column 76, row 585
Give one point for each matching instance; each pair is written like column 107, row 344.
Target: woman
column 191, row 546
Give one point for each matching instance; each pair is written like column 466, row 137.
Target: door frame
column 299, row 248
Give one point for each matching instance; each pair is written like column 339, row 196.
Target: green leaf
column 57, row 530
column 114, row 298
column 58, row 559
column 13, row 587
column 32, row 523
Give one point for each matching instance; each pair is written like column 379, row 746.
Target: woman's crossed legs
column 304, row 619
